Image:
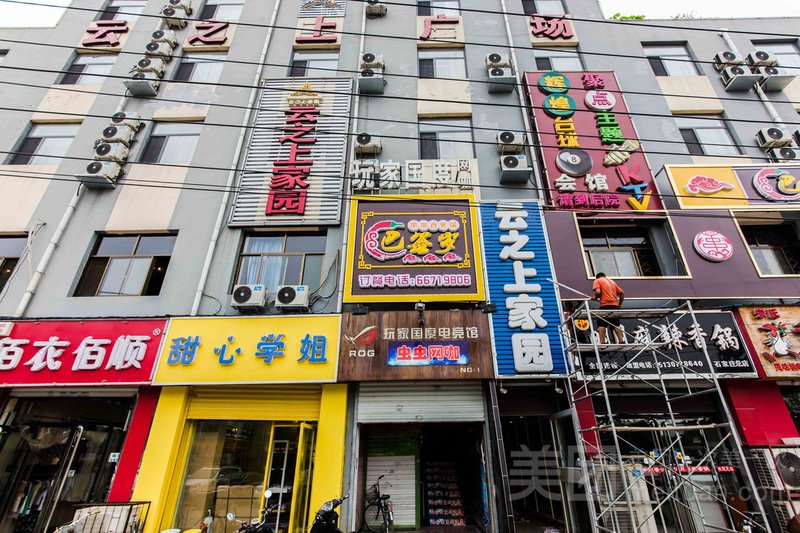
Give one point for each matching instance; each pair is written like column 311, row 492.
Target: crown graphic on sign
column 305, row 95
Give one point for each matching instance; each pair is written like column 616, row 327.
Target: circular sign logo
column 776, row 185
column 553, row 82
column 559, row 105
column 600, row 100
column 574, row 162
column 582, row 324
column 713, row 246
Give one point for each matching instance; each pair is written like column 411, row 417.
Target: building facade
column 313, row 245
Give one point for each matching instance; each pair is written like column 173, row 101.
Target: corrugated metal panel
column 322, row 8
column 415, row 402
column 323, row 201
column 501, row 272
column 400, row 483
column 255, row 403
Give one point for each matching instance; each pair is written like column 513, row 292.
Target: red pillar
column 760, row 412
column 132, row 450
column 586, row 420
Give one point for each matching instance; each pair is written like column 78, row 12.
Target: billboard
column 774, row 332
column 420, row 248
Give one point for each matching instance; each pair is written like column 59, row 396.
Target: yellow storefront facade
column 245, row 405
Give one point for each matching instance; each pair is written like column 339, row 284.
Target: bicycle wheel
column 373, row 519
column 388, row 519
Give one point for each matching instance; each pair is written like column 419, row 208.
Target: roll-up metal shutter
column 420, row 402
column 255, row 403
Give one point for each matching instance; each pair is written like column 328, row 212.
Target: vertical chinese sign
column 80, row 352
column 250, row 350
column 295, row 162
column 412, row 249
column 589, row 147
column 527, row 321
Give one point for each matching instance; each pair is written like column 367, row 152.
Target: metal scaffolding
column 633, row 489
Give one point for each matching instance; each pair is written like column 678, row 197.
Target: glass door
column 302, row 476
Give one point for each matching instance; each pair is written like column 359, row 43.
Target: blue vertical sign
column 526, row 323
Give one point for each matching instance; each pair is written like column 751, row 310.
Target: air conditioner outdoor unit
column 118, row 134
column 774, row 78
column 375, row 9
column 111, row 152
column 174, row 17
column 510, row 142
column 501, row 80
column 726, row 59
column 777, row 468
column 497, row 60
column 796, row 136
column 371, row 81
column 773, row 137
column 185, row 5
column 370, row 60
column 165, row 36
column 162, row 50
column 128, row 119
column 760, row 58
column 514, row 169
column 784, row 155
column 249, row 296
column 785, row 511
column 100, row 175
column 292, row 297
column 151, row 64
column 368, row 143
column 142, row 84
column 739, row 78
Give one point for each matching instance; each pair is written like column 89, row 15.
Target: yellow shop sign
column 279, row 349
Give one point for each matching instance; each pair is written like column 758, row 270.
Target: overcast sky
column 18, row 15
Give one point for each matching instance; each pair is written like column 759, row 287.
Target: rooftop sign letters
column 295, row 161
column 592, row 157
column 413, row 248
column 371, row 174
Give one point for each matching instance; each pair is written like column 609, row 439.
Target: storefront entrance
column 435, row 473
column 57, row 454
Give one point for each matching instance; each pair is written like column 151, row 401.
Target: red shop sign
column 80, row 352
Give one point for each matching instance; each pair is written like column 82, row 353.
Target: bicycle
column 378, row 516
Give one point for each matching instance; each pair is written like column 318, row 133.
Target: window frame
column 86, row 291
column 436, row 126
column 157, row 143
column 79, row 64
column 795, row 53
column 204, row 12
column 8, row 262
column 3, row 54
column 241, row 255
column 326, row 71
column 660, row 63
column 130, row 13
column 663, row 224
column 532, row 7
column 194, row 58
column 432, row 8
column 741, row 223
column 438, row 55
column 540, row 56
column 694, row 143
column 27, row 149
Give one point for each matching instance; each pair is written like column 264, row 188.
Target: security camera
column 419, row 306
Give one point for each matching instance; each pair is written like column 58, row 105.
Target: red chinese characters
column 288, row 186
column 318, row 34
column 209, row 32
column 105, row 33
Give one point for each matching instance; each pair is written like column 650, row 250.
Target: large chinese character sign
column 590, row 149
column 294, row 167
column 75, row 352
column 526, row 323
column 409, row 250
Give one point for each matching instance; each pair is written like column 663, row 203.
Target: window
column 445, row 139
column 558, row 60
column 127, row 265
column 319, row 64
column 123, row 9
column 775, row 248
column 706, row 136
column 787, row 54
column 3, row 54
column 433, row 8
column 222, row 10
column 45, row 144
column 89, row 69
column 671, row 60
column 201, row 68
column 543, row 7
column 642, row 250
column 290, row 259
column 11, row 249
column 442, row 64
column 172, row 143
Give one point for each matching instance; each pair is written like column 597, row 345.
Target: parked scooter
column 256, row 525
column 327, row 519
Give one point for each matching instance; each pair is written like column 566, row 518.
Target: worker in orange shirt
column 611, row 296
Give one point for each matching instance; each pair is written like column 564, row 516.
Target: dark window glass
column 26, row 151
column 155, row 145
column 73, row 74
column 290, row 259
column 775, row 248
column 692, row 142
column 208, row 12
column 426, row 68
column 11, row 249
column 529, row 7
column 620, row 251
column 423, row 9
column 184, row 72
column 428, row 147
column 543, row 63
column 109, row 13
column 298, row 69
column 658, row 66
